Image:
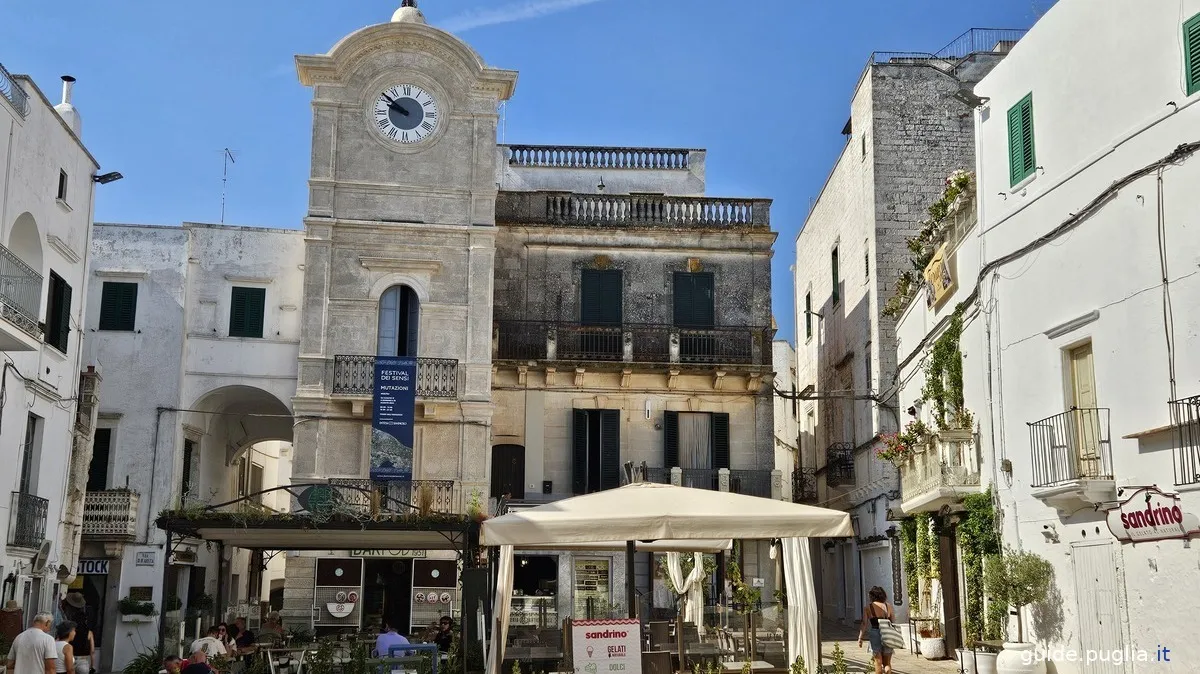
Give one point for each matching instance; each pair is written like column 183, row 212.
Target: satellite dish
column 43, row 554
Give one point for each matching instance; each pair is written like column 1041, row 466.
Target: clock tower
column 399, row 250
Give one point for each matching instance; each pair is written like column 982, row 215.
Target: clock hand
column 395, row 106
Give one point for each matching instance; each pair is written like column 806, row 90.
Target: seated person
column 243, row 639
column 198, row 664
column 445, row 636
column 211, row 644
column 389, row 638
column 171, row 665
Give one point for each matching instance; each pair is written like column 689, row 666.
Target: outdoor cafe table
column 275, row 654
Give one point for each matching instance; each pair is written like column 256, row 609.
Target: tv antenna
column 227, row 156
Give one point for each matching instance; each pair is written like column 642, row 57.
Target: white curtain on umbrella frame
column 803, row 638
column 691, row 594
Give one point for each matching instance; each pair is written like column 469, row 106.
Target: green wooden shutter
column 1022, row 157
column 683, row 298
column 1191, row 54
column 610, row 449
column 58, row 317
column 611, row 297
column 703, row 298
column 720, row 440
column 837, row 286
column 579, row 451
column 589, row 297
column 671, row 440
column 246, row 309
column 118, row 306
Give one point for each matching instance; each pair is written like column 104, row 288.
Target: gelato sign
column 607, row 646
column 1150, row 515
column 392, row 418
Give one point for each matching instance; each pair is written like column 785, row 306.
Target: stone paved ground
column 903, row 662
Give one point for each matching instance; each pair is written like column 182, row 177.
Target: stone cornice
column 393, row 264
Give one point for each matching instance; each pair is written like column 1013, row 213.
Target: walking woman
column 63, row 635
column 876, row 609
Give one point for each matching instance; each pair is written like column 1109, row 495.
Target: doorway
column 387, row 587
column 1097, row 596
column 1085, row 415
column 948, row 573
column 508, row 471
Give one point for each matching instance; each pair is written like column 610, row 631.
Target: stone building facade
column 538, row 377
column 907, row 131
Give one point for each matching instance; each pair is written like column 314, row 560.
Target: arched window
column 399, row 321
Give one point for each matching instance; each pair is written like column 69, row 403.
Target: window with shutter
column 98, row 468
column 695, row 305
column 720, row 440
column 185, row 477
column 600, row 297
column 1191, row 54
column 596, row 437
column 246, row 309
column 671, row 439
column 808, row 315
column 58, row 313
column 118, row 306
column 1022, row 159
column 837, row 282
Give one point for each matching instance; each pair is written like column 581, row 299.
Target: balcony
column 355, row 376
column 1072, row 459
column 839, row 465
column 580, row 156
column 630, row 343
column 746, row 482
column 12, row 91
column 804, row 485
column 398, row 497
column 20, row 294
column 1185, row 418
column 27, row 521
column 110, row 515
column 941, row 474
column 631, row 211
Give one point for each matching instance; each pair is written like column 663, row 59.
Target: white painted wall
column 34, row 148
column 787, row 413
column 180, row 358
column 1101, row 75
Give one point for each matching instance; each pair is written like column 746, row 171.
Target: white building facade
column 198, row 328
column 46, row 197
column 907, row 130
column 1076, row 294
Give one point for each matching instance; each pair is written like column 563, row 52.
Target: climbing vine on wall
column 944, row 378
column 908, row 535
column 979, row 539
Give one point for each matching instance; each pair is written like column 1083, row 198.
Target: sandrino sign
column 1150, row 515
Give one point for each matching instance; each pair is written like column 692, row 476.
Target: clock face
column 406, row 113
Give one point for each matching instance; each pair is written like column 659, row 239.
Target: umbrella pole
column 631, row 578
column 679, row 636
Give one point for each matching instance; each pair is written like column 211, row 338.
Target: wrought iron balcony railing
column 20, row 292
column 579, row 156
column 631, row 211
column 1185, row 417
column 950, row 463
column 355, row 375
column 804, row 485
column 110, row 515
column 401, row 497
column 13, row 92
column 1074, row 445
column 27, row 520
column 747, row 482
column 839, row 464
column 630, row 343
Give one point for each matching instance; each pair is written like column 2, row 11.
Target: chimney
column 66, row 110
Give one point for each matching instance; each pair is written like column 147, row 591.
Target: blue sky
column 164, row 86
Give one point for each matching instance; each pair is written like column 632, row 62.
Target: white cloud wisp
column 523, row 11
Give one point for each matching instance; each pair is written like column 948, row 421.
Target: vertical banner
column 607, row 646
column 392, row 418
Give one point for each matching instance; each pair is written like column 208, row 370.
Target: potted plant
column 136, row 611
column 933, row 646
column 1019, row 579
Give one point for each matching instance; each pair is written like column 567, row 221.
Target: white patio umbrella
column 656, row 512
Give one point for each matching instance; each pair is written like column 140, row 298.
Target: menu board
column 592, row 588
column 606, row 646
